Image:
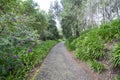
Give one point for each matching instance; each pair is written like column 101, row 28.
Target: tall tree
column 52, row 28
column 79, row 15
column 73, row 11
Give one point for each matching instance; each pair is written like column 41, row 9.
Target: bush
column 14, row 66
column 20, row 34
column 89, row 46
column 96, row 66
column 110, row 31
column 116, row 27
column 115, row 57
column 69, row 44
column 105, row 32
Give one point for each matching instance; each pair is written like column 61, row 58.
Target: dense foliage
column 79, row 15
column 89, row 46
column 110, row 31
column 52, row 25
column 15, row 65
column 95, row 24
column 69, row 44
column 115, row 57
column 22, row 28
column 96, row 66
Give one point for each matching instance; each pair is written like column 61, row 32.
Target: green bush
column 105, row 32
column 116, row 27
column 110, row 31
column 69, row 44
column 96, row 66
column 115, row 57
column 20, row 34
column 89, row 46
column 14, row 66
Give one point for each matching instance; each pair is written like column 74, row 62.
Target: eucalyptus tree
column 103, row 10
column 80, row 15
column 73, row 15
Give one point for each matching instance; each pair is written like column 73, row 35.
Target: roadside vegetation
column 16, row 65
column 92, row 32
column 26, row 36
column 90, row 46
column 91, row 29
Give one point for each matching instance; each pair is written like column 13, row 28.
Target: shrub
column 14, row 66
column 110, row 31
column 115, row 57
column 106, row 32
column 69, row 44
column 96, row 66
column 116, row 27
column 90, row 46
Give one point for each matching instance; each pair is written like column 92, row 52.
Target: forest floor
column 60, row 64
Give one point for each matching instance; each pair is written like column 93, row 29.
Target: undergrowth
column 96, row 66
column 110, row 31
column 89, row 46
column 115, row 57
column 68, row 43
column 15, row 66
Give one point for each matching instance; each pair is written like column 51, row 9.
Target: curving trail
column 59, row 65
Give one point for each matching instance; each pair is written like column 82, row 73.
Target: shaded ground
column 59, row 65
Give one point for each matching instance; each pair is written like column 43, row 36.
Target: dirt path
column 59, row 65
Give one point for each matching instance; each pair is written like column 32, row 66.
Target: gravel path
column 59, row 65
